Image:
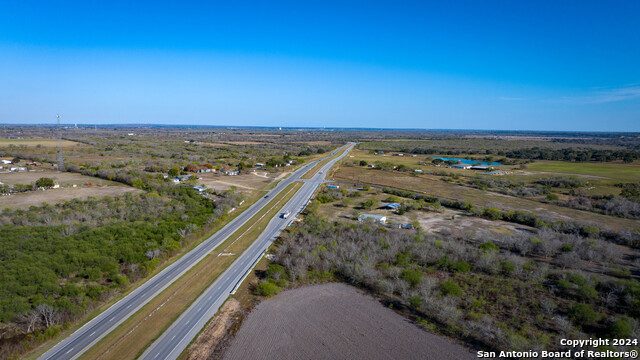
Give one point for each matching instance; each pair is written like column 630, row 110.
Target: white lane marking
column 188, row 321
column 156, row 355
column 173, row 337
column 92, row 333
column 112, row 318
column 129, row 306
column 70, row 350
column 200, row 308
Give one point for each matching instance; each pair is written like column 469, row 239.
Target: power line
column 60, row 159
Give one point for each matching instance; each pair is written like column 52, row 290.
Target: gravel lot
column 335, row 321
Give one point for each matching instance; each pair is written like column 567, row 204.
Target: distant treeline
column 536, row 153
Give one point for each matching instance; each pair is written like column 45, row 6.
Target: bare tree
column 30, row 320
column 48, row 313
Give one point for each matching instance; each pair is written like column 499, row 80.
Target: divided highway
column 94, row 330
column 180, row 334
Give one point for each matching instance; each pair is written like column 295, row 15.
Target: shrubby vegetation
column 58, row 261
column 513, row 292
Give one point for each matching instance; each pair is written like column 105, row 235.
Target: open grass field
column 98, row 188
column 52, row 196
column 132, row 337
column 252, row 181
column 36, row 142
column 62, row 178
column 612, row 172
column 434, row 185
column 414, row 162
column 334, row 321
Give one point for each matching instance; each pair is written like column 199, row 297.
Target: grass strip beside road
column 134, row 335
column 311, row 173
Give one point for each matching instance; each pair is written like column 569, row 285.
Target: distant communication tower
column 60, row 159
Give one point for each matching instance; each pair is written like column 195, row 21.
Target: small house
column 6, row 162
column 199, row 188
column 461, row 166
column 259, row 165
column 417, row 171
column 330, row 186
column 373, row 218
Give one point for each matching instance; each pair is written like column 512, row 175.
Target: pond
column 469, row 162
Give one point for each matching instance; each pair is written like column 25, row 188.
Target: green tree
column 45, row 183
column 173, row 172
column 413, row 277
column 267, row 288
column 583, row 315
column 450, row 288
column 368, row 204
column 493, row 213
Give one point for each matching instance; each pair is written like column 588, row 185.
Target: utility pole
column 60, row 159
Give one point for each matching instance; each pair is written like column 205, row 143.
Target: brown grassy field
column 252, row 181
column 334, row 321
column 66, row 180
column 63, row 178
column 36, row 142
column 52, row 196
column 434, row 185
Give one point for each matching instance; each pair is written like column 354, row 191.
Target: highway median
column 311, row 173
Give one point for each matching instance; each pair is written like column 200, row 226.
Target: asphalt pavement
column 205, row 306
column 180, row 334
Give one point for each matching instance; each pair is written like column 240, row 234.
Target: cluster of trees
column 514, row 292
column 559, row 150
column 57, row 261
column 571, row 154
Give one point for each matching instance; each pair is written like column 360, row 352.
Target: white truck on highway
column 286, row 214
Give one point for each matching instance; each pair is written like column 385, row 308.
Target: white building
column 374, row 218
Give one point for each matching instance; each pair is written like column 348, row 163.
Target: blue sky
column 519, row 65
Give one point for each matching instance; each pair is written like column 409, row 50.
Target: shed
column 390, row 206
